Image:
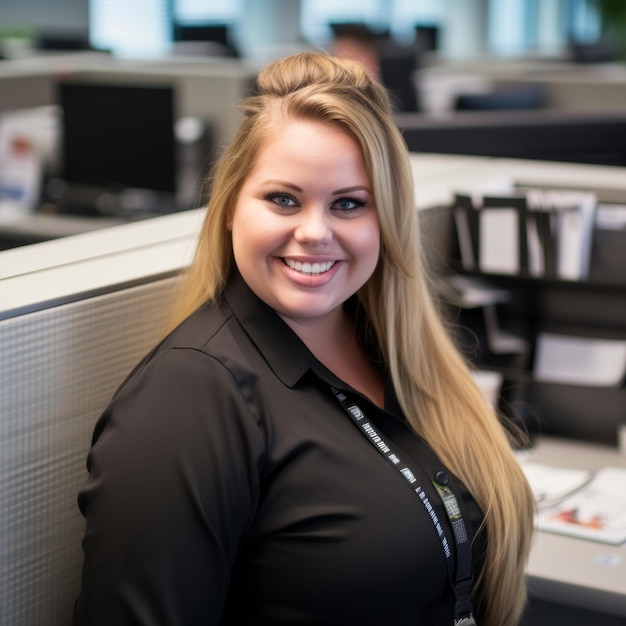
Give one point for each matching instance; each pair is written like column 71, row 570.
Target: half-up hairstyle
column 432, row 381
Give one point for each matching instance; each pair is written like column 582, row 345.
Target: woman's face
column 305, row 228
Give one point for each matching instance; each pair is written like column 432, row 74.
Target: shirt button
column 441, row 477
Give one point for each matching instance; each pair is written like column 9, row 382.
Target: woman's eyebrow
column 350, row 189
column 282, row 182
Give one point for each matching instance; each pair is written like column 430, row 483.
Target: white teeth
column 309, row 268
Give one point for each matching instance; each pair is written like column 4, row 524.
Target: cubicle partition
column 75, row 316
column 207, row 88
column 547, row 135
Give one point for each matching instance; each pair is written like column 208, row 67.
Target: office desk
column 578, row 573
column 571, row 581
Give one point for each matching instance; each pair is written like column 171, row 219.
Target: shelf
column 542, row 282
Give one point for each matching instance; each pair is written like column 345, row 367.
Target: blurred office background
column 112, row 111
column 437, row 57
column 261, row 28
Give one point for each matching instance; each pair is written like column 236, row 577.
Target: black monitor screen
column 118, row 135
column 201, row 32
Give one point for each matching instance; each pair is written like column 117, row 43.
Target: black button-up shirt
column 228, row 486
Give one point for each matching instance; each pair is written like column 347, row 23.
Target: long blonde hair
column 432, row 381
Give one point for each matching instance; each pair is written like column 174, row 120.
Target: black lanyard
column 460, row 576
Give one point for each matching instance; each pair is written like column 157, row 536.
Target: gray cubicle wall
column 58, row 369
column 75, row 316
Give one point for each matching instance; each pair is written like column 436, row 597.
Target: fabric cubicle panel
column 58, row 368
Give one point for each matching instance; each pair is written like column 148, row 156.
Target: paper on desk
column 550, row 484
column 580, row 360
column 596, row 511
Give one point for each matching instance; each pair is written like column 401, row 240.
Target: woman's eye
column 281, row 199
column 349, row 204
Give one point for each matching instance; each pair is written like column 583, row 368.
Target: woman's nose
column 313, row 226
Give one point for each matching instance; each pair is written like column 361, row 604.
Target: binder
column 575, row 213
column 534, row 232
column 541, row 220
column 466, row 223
column 608, row 250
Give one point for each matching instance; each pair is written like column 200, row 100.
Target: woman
column 307, row 446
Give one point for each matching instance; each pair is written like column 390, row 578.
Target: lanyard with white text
column 460, row 577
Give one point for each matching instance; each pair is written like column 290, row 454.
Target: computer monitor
column 201, row 32
column 427, row 37
column 62, row 39
column 217, row 34
column 118, row 136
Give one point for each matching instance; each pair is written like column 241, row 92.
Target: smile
column 309, row 268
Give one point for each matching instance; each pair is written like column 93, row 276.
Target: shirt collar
column 283, row 350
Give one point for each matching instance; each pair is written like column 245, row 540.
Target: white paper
column 499, row 240
column 596, row 511
column 580, row 360
column 550, row 484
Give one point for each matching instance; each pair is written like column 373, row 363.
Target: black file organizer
column 467, row 222
column 595, row 307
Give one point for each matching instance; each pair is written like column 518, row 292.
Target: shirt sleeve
column 172, row 489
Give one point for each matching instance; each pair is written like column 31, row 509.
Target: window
column 400, row 16
column 140, row 28
column 206, row 11
column 143, row 28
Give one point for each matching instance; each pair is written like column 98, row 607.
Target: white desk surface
column 577, row 572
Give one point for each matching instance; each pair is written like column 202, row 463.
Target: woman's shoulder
column 200, row 364
column 201, row 329
column 202, row 346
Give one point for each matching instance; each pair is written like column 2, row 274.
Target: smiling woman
column 293, row 218
column 306, row 446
